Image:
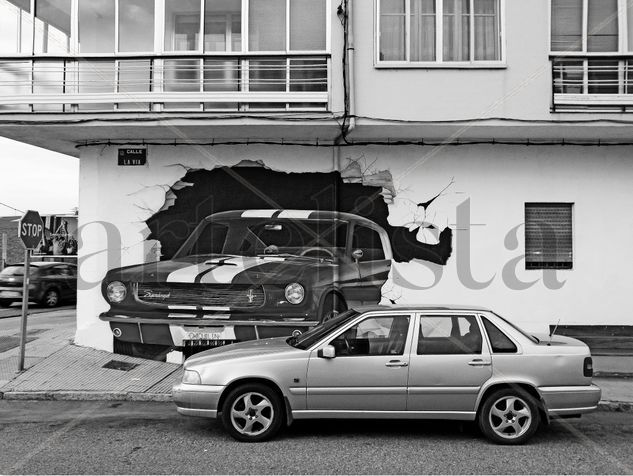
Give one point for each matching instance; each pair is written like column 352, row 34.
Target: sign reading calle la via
column 31, row 229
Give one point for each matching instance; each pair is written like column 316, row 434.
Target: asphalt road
column 44, row 318
column 118, row 437
column 15, row 310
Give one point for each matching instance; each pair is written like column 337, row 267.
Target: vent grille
column 196, row 294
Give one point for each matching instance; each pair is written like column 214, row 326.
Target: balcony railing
column 165, row 83
column 593, row 83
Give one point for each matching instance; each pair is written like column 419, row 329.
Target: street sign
column 31, row 229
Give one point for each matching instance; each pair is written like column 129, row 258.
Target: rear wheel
column 333, row 305
column 252, row 413
column 509, row 417
column 51, row 298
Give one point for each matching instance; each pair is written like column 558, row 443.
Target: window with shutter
column 548, row 236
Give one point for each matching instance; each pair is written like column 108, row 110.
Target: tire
column 332, row 306
column 509, row 417
column 252, row 413
column 51, row 298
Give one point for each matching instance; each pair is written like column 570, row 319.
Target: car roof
column 420, row 307
column 292, row 214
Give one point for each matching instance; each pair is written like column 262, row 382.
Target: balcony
column 592, row 83
column 156, row 83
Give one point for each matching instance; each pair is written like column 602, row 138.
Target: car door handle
column 396, row 363
column 479, row 363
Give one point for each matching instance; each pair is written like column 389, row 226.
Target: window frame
column 623, row 36
column 561, row 266
column 439, row 62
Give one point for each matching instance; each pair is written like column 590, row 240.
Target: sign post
column 31, row 232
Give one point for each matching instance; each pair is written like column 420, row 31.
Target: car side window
column 449, row 335
column 380, row 335
column 369, row 242
column 499, row 342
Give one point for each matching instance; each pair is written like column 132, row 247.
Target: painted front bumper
column 197, row 400
column 570, row 400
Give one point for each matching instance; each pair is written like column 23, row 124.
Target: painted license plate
column 211, row 333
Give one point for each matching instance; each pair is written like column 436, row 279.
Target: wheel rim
column 252, row 414
column 51, row 298
column 510, row 417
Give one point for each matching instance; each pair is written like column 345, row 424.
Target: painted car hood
column 219, row 269
column 252, row 348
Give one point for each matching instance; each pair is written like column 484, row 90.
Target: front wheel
column 252, row 413
column 51, row 298
column 509, row 417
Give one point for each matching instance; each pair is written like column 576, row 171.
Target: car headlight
column 295, row 293
column 191, row 377
column 116, row 291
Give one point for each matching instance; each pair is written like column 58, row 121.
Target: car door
column 370, row 369
column 372, row 264
column 62, row 276
column 449, row 363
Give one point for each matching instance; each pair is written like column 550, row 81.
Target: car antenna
column 551, row 334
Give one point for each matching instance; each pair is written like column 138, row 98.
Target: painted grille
column 194, row 294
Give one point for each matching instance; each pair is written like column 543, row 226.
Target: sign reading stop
column 31, row 229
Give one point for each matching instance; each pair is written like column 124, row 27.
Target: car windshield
column 255, row 237
column 315, row 334
column 518, row 329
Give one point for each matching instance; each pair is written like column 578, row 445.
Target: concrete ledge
column 76, row 395
column 610, row 406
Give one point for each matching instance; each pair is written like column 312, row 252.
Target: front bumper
column 197, row 400
column 570, row 400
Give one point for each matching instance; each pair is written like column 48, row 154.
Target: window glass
column 486, row 30
column 96, row 26
column 369, row 242
column 211, row 240
column 52, row 26
column 384, row 335
column 223, row 25
column 136, row 25
column 317, row 333
column 181, row 75
column 449, row 335
column 422, row 30
column 267, row 25
column 602, row 25
column 307, row 25
column 308, row 75
column 392, row 30
column 14, row 78
column 96, row 77
column 15, row 26
column 182, row 25
column 566, row 25
column 499, row 342
column 134, row 77
column 456, row 30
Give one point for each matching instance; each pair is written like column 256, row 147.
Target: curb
column 87, row 396
column 611, row 406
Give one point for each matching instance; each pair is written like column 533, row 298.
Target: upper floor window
column 592, row 26
column 439, row 31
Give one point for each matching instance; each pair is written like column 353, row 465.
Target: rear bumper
column 197, row 400
column 570, row 400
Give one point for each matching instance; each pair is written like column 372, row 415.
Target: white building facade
column 506, row 122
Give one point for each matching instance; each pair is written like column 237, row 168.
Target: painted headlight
column 116, row 291
column 191, row 377
column 295, row 293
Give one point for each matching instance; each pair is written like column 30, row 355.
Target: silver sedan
column 419, row 362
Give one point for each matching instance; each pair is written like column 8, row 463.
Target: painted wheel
column 509, row 417
column 50, row 298
column 333, row 305
column 252, row 413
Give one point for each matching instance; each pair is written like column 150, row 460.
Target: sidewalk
column 59, row 370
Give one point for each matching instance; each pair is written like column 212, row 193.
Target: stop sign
column 31, row 229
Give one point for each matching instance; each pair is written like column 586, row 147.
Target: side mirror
column 327, row 352
column 357, row 254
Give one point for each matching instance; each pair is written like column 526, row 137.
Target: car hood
column 219, row 268
column 252, row 348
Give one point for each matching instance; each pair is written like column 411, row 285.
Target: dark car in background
column 248, row 274
column 50, row 283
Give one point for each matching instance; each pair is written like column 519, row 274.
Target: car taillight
column 587, row 367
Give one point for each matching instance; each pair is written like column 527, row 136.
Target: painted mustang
column 248, row 274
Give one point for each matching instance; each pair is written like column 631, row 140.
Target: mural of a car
column 248, row 274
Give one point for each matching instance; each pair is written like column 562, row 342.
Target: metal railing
column 164, row 82
column 582, row 82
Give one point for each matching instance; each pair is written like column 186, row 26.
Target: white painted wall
column 497, row 180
